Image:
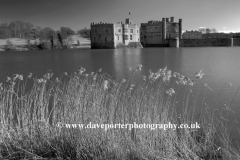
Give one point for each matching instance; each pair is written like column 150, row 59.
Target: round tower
column 163, row 29
column 180, row 29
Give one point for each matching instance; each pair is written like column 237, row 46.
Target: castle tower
column 128, row 21
column 163, row 29
column 180, row 29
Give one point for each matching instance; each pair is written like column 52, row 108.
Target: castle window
column 118, row 37
column 126, row 37
column 126, row 30
column 105, row 39
column 131, row 31
column 94, row 38
column 130, row 37
column 137, row 31
column 119, row 30
column 99, row 36
column 106, row 30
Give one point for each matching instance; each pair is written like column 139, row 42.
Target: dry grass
column 29, row 118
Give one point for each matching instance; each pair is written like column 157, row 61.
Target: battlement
column 101, row 23
column 192, row 31
column 151, row 23
column 154, row 22
column 166, row 20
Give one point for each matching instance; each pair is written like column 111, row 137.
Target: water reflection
column 125, row 58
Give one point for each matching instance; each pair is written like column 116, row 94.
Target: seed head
column 170, row 92
column 144, row 78
column 169, row 72
column 57, row 80
column 229, row 84
column 164, row 69
column 123, row 80
column 1, row 88
column 105, row 85
column 191, row 82
column 199, row 74
column 20, row 77
column 8, row 79
column 139, row 67
column 176, row 75
column 30, row 75
column 15, row 76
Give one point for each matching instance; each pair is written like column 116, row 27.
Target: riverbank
column 37, row 123
column 18, row 44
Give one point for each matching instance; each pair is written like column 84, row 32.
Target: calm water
column 220, row 65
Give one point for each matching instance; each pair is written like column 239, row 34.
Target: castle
column 165, row 33
column 192, row 35
column 153, row 33
column 158, row 33
column 115, row 35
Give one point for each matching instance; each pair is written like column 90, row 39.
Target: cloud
column 228, row 31
column 224, row 27
column 202, row 27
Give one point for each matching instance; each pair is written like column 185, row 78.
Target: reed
column 30, row 119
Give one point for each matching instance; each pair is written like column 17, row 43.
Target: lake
column 220, row 65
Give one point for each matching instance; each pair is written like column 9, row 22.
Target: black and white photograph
column 119, row 80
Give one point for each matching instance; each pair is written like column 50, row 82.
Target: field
column 36, row 116
column 15, row 41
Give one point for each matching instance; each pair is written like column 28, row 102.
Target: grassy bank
column 19, row 44
column 33, row 121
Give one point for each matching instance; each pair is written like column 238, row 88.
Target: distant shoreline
column 19, row 44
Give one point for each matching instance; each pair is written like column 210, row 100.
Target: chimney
column 167, row 19
column 172, row 19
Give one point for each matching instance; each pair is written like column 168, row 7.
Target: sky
column 223, row 15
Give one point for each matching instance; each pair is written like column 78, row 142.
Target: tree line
column 26, row 30
column 85, row 32
column 207, row 30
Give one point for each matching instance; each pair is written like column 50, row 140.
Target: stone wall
column 134, row 45
column 102, row 36
column 156, row 45
column 205, row 42
column 174, row 42
column 236, row 41
column 102, row 45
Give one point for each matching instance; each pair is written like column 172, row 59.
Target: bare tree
column 203, row 30
column 208, row 30
column 213, row 30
